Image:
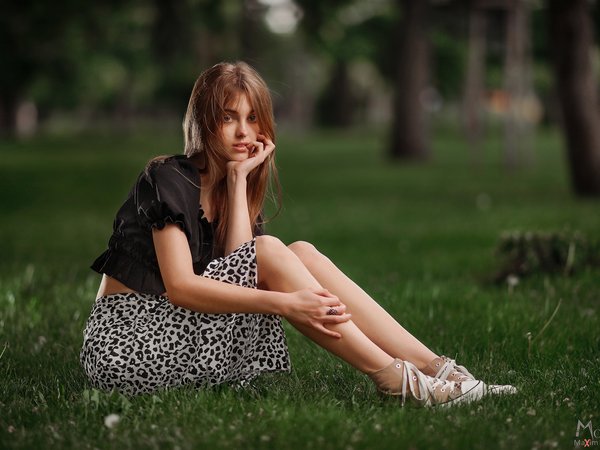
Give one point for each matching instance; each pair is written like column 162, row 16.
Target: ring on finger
column 332, row 312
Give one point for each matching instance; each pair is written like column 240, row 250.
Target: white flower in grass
column 512, row 281
column 112, row 420
column 41, row 341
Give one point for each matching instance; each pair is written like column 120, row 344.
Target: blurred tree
column 119, row 75
column 509, row 19
column 32, row 42
column 346, row 34
column 121, row 57
column 62, row 55
column 338, row 100
column 571, row 38
column 327, row 35
column 449, row 50
column 474, row 89
column 251, row 32
column 171, row 45
column 542, row 69
column 517, row 84
column 408, row 134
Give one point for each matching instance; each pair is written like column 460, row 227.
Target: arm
column 201, row 294
column 188, row 290
column 240, row 230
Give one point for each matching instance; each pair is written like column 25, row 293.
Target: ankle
column 388, row 379
column 429, row 368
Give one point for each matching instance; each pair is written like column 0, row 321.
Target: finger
column 323, row 293
column 269, row 150
column 339, row 310
column 331, row 301
column 332, row 304
column 337, row 319
column 258, row 145
column 269, row 144
column 324, row 330
column 253, row 147
column 328, row 294
column 263, row 137
column 261, row 152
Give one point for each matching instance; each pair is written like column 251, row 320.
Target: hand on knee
column 315, row 308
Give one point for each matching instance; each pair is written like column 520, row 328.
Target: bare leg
column 367, row 314
column 279, row 269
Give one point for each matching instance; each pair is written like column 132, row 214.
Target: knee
column 307, row 252
column 270, row 246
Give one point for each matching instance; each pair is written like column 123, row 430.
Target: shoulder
column 176, row 169
column 167, row 190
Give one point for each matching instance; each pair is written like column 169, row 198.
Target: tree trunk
column 517, row 83
column 337, row 103
column 474, row 83
column 249, row 33
column 408, row 136
column 170, row 33
column 571, row 34
column 8, row 114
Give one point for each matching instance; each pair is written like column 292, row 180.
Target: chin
column 239, row 157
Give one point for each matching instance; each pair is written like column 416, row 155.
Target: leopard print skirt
column 138, row 343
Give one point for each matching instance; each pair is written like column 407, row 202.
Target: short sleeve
column 167, row 193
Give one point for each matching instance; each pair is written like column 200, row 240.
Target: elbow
column 185, row 292
column 178, row 293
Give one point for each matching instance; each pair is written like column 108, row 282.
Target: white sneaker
column 446, row 369
column 410, row 384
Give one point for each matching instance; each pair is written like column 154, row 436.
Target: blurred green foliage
column 129, row 57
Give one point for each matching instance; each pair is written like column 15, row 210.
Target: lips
column 241, row 147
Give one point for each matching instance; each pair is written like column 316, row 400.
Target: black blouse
column 169, row 192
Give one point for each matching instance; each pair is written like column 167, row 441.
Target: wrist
column 279, row 302
column 236, row 178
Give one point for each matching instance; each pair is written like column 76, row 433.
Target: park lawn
column 419, row 238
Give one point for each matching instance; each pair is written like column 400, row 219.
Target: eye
column 227, row 118
column 252, row 118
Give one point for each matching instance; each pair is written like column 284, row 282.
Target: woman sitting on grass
column 193, row 291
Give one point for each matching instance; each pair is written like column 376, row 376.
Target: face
column 240, row 128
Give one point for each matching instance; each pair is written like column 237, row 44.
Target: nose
column 242, row 129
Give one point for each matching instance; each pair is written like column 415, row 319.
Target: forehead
column 239, row 101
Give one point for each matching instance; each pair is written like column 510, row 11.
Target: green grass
column 420, row 239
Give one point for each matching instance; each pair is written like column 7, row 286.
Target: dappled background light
column 282, row 16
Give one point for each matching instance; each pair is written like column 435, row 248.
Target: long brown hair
column 214, row 90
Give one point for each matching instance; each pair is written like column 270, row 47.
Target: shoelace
column 427, row 385
column 450, row 367
column 464, row 373
column 443, row 384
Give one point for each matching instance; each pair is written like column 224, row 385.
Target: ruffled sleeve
column 168, row 193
